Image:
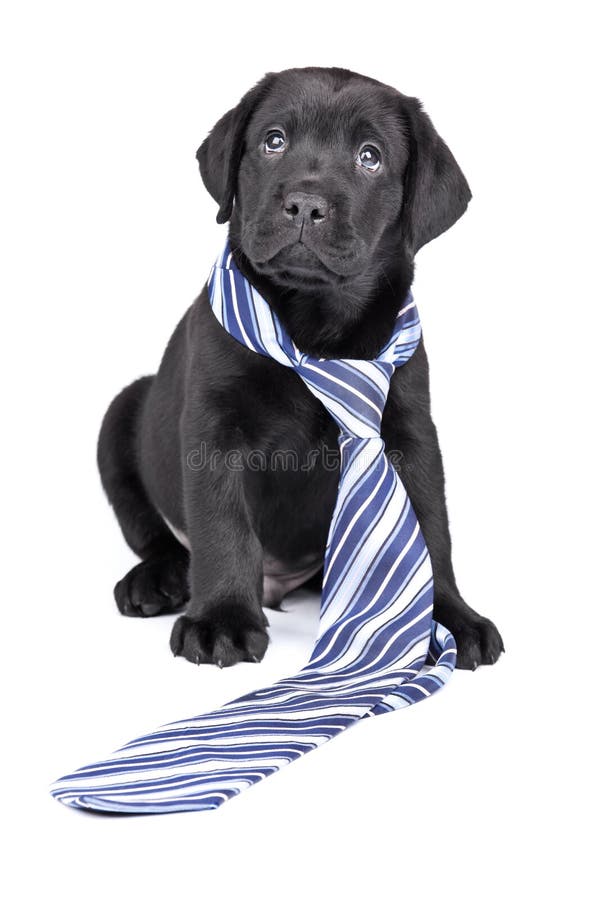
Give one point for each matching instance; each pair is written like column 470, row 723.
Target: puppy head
column 318, row 167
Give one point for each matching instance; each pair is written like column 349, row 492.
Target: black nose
column 302, row 207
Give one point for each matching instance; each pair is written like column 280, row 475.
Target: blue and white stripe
column 377, row 649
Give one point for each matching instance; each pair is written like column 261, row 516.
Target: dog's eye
column 275, row 142
column 369, row 158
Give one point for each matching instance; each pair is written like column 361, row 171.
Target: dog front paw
column 478, row 641
column 224, row 635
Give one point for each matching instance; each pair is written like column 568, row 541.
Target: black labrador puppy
column 223, row 468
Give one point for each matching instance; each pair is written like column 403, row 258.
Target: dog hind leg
column 159, row 583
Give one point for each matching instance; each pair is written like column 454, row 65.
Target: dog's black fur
column 330, row 245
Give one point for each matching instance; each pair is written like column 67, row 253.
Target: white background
column 107, row 236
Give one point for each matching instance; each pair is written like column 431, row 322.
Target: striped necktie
column 377, row 647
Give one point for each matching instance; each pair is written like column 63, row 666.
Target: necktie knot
column 353, row 391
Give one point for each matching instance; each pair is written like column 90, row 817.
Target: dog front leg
column 224, row 622
column 412, row 445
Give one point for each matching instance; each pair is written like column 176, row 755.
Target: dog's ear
column 436, row 192
column 220, row 153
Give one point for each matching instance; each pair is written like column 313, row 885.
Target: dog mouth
column 300, row 257
column 305, row 257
